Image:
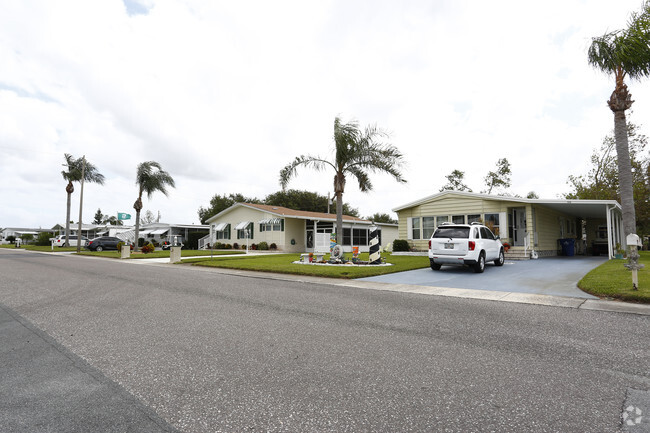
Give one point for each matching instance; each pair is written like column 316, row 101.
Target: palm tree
column 73, row 174
column 356, row 153
column 149, row 178
column 624, row 53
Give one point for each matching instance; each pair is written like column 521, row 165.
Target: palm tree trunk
column 67, row 221
column 339, row 217
column 69, row 189
column 620, row 101
column 138, row 207
column 626, row 182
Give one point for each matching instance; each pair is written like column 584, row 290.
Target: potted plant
column 619, row 251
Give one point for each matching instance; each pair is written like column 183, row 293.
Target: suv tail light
column 429, row 243
column 471, row 245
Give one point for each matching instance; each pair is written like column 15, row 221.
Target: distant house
column 291, row 230
column 526, row 224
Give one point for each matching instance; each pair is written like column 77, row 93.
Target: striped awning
column 242, row 225
column 271, row 221
column 220, row 227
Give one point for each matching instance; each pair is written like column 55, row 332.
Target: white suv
column 59, row 241
column 464, row 244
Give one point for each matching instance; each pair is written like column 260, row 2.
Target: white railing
column 204, row 241
column 128, row 236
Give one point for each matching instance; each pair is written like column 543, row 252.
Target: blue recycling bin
column 568, row 246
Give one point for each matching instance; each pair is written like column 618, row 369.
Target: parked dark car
column 103, row 243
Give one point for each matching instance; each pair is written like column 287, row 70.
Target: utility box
column 175, row 254
column 125, row 251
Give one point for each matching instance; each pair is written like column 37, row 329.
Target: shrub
column 253, row 246
column 11, row 239
column 146, row 249
column 401, row 245
column 235, row 246
column 44, row 239
column 119, row 246
column 141, row 242
column 273, row 246
column 155, row 243
column 227, row 246
column 243, row 247
column 262, row 246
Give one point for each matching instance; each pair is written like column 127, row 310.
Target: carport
column 593, row 211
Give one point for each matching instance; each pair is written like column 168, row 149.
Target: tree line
column 291, row 198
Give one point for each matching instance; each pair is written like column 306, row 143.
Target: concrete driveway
column 556, row 276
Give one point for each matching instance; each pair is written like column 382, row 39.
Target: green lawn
column 281, row 263
column 158, row 254
column 612, row 279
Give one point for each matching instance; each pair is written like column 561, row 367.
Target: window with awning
column 272, row 224
column 241, row 230
column 222, row 231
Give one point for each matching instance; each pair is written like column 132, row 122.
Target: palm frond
column 289, row 171
column 150, row 177
column 362, row 178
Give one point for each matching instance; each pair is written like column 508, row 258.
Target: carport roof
column 577, row 208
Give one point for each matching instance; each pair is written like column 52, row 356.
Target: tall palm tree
column 149, row 178
column 624, row 53
column 72, row 173
column 357, row 154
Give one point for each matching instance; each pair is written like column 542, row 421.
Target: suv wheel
column 501, row 259
column 99, row 248
column 479, row 267
column 435, row 266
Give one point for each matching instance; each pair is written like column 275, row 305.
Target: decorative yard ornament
column 375, row 258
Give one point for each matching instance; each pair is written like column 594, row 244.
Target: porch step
column 516, row 254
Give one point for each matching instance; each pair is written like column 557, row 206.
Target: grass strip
column 159, row 254
column 282, row 263
column 613, row 280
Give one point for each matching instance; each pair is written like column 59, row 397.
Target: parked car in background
column 165, row 245
column 103, row 243
column 59, row 241
column 465, row 244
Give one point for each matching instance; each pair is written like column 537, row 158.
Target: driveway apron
column 556, row 276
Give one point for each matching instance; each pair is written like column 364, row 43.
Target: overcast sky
column 224, row 94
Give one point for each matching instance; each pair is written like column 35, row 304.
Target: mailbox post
column 633, row 243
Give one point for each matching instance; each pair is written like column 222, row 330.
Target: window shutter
column 252, row 226
column 282, row 225
column 409, row 228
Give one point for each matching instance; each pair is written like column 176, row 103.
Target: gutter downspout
column 610, row 232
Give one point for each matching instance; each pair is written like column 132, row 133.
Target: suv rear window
column 452, row 232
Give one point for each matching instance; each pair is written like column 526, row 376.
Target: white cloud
column 224, row 94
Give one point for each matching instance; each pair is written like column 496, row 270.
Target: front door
column 519, row 226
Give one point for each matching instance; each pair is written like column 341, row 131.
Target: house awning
column 144, row 232
column 220, row 227
column 26, row 233
column 159, row 231
column 270, row 221
column 242, row 225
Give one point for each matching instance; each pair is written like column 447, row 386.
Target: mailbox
column 633, row 239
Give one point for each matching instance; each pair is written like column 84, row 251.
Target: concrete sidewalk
column 47, row 388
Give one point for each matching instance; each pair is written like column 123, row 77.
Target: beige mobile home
column 529, row 226
column 291, row 230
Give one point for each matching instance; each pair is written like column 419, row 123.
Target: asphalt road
column 210, row 352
